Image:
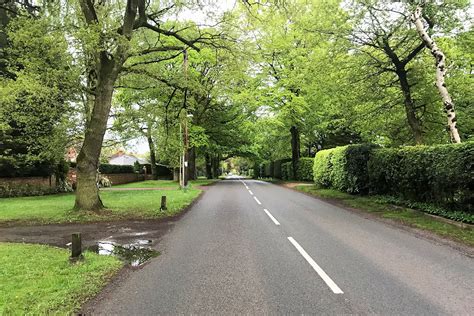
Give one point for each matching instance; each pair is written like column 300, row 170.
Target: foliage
column 287, row 171
column 305, row 169
column 103, row 181
column 35, row 100
column 38, row 279
column 322, row 168
column 111, row 169
column 441, row 174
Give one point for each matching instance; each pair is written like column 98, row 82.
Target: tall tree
column 441, row 69
column 109, row 30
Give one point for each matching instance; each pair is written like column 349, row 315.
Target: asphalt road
column 228, row 255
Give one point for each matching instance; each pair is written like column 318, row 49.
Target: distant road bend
column 253, row 247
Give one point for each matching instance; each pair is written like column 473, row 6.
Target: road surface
column 250, row 247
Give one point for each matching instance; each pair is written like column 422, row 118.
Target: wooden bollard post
column 163, row 203
column 76, row 247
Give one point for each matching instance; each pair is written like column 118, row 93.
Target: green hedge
column 106, row 168
column 441, row 175
column 305, row 169
column 287, row 171
column 343, row 168
column 322, row 168
column 277, row 165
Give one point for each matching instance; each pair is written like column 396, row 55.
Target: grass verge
column 403, row 215
column 164, row 184
column 39, row 280
column 119, row 205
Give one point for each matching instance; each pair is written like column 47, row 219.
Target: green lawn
column 163, row 184
column 39, row 280
column 119, row 205
column 407, row 216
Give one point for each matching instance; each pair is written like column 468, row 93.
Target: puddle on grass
column 134, row 254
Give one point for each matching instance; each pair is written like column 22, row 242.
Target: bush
column 106, row 168
column 305, row 169
column 287, row 171
column 441, row 174
column 277, row 165
column 343, row 168
column 322, row 168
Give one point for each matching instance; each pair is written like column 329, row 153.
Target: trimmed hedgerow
column 287, row 171
column 343, row 168
column 106, row 168
column 441, row 174
column 277, row 166
column 322, row 168
column 305, row 169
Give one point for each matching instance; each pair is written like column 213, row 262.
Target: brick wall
column 41, row 182
column 121, row 178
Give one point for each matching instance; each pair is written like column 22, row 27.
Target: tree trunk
column 151, row 146
column 410, row 111
column 87, row 193
column 295, row 148
column 208, row 166
column 215, row 166
column 192, row 163
column 440, row 60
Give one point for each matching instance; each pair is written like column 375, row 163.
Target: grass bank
column 124, row 204
column 39, row 280
column 379, row 207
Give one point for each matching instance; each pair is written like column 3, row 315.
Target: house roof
column 125, row 160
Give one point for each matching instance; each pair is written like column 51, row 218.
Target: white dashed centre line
column 333, row 286
column 271, row 217
column 256, row 200
column 250, row 192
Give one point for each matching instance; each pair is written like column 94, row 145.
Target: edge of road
column 417, row 232
column 88, row 307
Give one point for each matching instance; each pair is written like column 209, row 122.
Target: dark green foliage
column 305, row 169
column 277, row 167
column 106, row 168
column 442, row 174
column 343, row 168
column 459, row 216
column 8, row 190
column 287, row 171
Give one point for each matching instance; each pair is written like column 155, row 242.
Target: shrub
column 322, row 168
column 106, row 168
column 287, row 171
column 277, row 167
column 441, row 174
column 305, row 169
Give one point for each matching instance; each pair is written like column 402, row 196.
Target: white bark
column 440, row 58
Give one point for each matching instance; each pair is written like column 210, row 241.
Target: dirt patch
column 60, row 234
column 122, row 232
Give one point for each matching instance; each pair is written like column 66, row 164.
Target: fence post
column 76, row 247
column 163, row 203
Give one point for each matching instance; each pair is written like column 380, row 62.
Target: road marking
column 259, row 203
column 271, row 217
column 250, row 192
column 316, row 268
